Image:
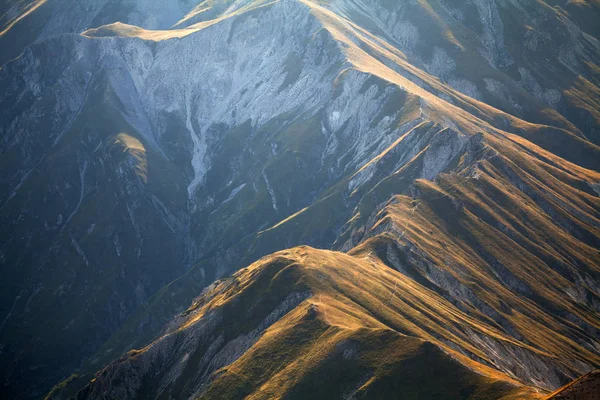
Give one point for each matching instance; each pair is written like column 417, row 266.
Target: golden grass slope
column 365, row 330
column 510, row 239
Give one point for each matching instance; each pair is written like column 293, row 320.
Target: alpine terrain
column 329, row 199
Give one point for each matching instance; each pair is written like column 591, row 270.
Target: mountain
column 448, row 153
column 304, row 326
column 585, row 387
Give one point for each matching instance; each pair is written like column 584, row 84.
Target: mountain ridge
column 202, row 138
column 299, row 265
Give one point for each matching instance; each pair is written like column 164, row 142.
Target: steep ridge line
column 338, row 313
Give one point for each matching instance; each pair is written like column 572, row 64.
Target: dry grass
column 399, row 327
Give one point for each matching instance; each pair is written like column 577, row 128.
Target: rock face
column 151, row 147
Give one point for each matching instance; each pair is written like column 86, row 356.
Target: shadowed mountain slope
column 586, row 387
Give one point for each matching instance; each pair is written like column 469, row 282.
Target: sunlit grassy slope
column 311, row 323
